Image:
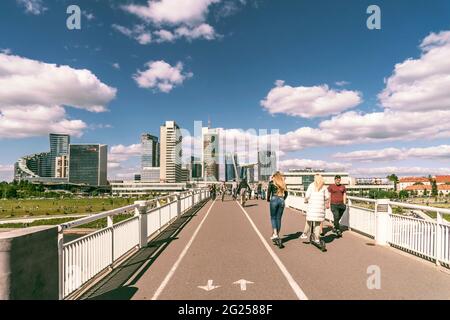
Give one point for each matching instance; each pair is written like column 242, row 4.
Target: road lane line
column 183, row 253
column 294, row 285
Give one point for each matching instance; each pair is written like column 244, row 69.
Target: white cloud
column 122, row 173
column 27, row 121
column 399, row 171
column 144, row 38
column 314, row 164
column 138, row 33
column 26, row 82
column 357, row 128
column 89, row 15
column 118, row 156
column 121, row 153
column 6, row 51
column 395, row 154
column 184, row 18
column 342, row 83
column 6, row 172
column 421, row 84
column 33, row 93
column 309, row 102
column 172, row 12
column 116, row 66
column 35, row 7
column 416, row 105
column 164, row 36
column 204, row 31
column 161, row 75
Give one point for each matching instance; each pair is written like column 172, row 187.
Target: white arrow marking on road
column 209, row 286
column 243, row 284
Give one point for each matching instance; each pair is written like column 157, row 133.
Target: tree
column 403, row 194
column 394, row 179
column 434, row 188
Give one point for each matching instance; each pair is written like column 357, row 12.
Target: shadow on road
column 113, row 287
column 291, row 236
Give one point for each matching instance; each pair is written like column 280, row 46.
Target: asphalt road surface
column 222, row 251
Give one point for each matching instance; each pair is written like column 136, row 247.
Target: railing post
column 141, row 212
column 178, row 197
column 382, row 211
column 349, row 204
column 61, row 262
column 158, row 205
column 438, row 242
column 110, row 224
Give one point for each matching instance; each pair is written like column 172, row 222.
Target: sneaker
column 303, row 236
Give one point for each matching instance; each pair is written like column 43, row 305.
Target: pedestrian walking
column 317, row 197
column 276, row 196
column 338, row 201
column 243, row 189
column 223, row 189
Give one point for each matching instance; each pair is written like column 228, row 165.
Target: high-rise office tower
column 171, row 153
column 210, row 154
column 231, row 167
column 88, row 164
column 149, row 158
column 59, row 146
column 267, row 164
column 195, row 168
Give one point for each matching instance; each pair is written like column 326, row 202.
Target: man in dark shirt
column 338, row 199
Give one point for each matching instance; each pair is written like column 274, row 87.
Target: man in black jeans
column 338, row 199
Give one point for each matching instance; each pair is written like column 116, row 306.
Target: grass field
column 101, row 223
column 48, row 207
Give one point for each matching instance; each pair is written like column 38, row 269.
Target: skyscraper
column 267, row 164
column 59, row 146
column 231, row 167
column 195, row 168
column 88, row 164
column 149, row 158
column 210, row 154
column 170, row 153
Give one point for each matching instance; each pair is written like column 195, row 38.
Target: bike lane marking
column 294, row 285
column 183, row 253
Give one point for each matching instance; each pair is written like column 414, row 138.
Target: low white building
column 141, row 188
column 301, row 179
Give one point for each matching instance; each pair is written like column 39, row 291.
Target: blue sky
column 227, row 69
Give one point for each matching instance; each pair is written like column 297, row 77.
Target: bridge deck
column 222, row 243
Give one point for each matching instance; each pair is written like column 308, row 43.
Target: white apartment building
column 170, row 153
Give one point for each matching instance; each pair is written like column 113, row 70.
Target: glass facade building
column 59, row 146
column 88, row 164
column 267, row 164
column 210, row 154
column 231, row 167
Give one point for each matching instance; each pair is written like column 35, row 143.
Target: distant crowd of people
column 318, row 198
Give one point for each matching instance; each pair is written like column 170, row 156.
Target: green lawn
column 101, row 223
column 45, row 207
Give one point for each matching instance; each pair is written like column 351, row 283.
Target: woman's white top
column 316, row 203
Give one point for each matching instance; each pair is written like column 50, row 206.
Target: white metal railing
column 361, row 219
column 83, row 259
column 428, row 239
